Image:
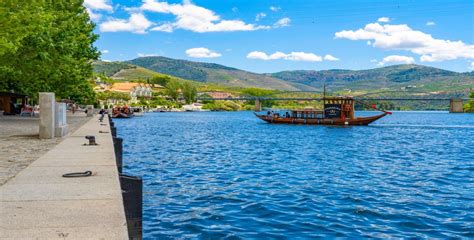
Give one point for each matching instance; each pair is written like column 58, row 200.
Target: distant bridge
column 423, row 96
column 456, row 100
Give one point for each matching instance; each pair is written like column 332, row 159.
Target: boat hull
column 360, row 121
column 121, row 115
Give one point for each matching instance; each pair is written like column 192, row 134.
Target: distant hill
column 214, row 73
column 122, row 71
column 422, row 78
column 385, row 77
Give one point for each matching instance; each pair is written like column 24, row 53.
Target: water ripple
column 230, row 176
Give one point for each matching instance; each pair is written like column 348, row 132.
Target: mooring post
column 132, row 192
column 47, row 115
column 118, row 148
column 456, row 106
column 258, row 105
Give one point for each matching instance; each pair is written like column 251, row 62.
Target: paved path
column 20, row 145
column 39, row 203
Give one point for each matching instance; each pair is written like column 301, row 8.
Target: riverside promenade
column 38, row 203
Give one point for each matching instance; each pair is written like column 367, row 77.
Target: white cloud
column 472, row 66
column 430, row 23
column 98, row 5
column 260, row 16
column 137, row 23
column 373, row 60
column 384, row 19
column 284, row 22
column 93, row 16
column 402, row 37
column 195, row 18
column 293, row 56
column 275, row 8
column 369, row 42
column 396, row 59
column 105, row 51
column 328, row 57
column 202, row 53
column 167, row 27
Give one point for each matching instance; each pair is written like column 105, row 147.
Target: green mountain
column 214, row 73
column 122, row 71
column 423, row 78
column 396, row 76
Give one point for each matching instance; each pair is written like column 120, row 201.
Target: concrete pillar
column 47, row 115
column 61, row 127
column 90, row 110
column 456, row 106
column 258, row 105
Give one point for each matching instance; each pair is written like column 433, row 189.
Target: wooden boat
column 337, row 111
column 122, row 112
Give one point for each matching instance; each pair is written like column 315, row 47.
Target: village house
column 136, row 90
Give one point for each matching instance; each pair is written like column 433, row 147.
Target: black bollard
column 132, row 188
column 118, row 147
column 91, row 139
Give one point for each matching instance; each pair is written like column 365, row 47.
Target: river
column 229, row 175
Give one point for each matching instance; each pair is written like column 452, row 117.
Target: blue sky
column 270, row 36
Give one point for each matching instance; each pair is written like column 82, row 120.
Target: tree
column 172, row 89
column 82, row 93
column 189, row 92
column 258, row 92
column 469, row 107
column 160, row 79
column 46, row 46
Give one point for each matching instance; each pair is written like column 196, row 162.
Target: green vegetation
column 257, row 92
column 160, row 79
column 189, row 92
column 172, row 89
column 223, row 106
column 469, row 107
column 110, row 68
column 47, row 46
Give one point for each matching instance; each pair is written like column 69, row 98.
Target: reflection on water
column 229, row 175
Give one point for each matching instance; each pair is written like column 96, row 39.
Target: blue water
column 216, row 175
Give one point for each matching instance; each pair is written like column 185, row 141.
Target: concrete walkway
column 38, row 203
column 20, row 145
